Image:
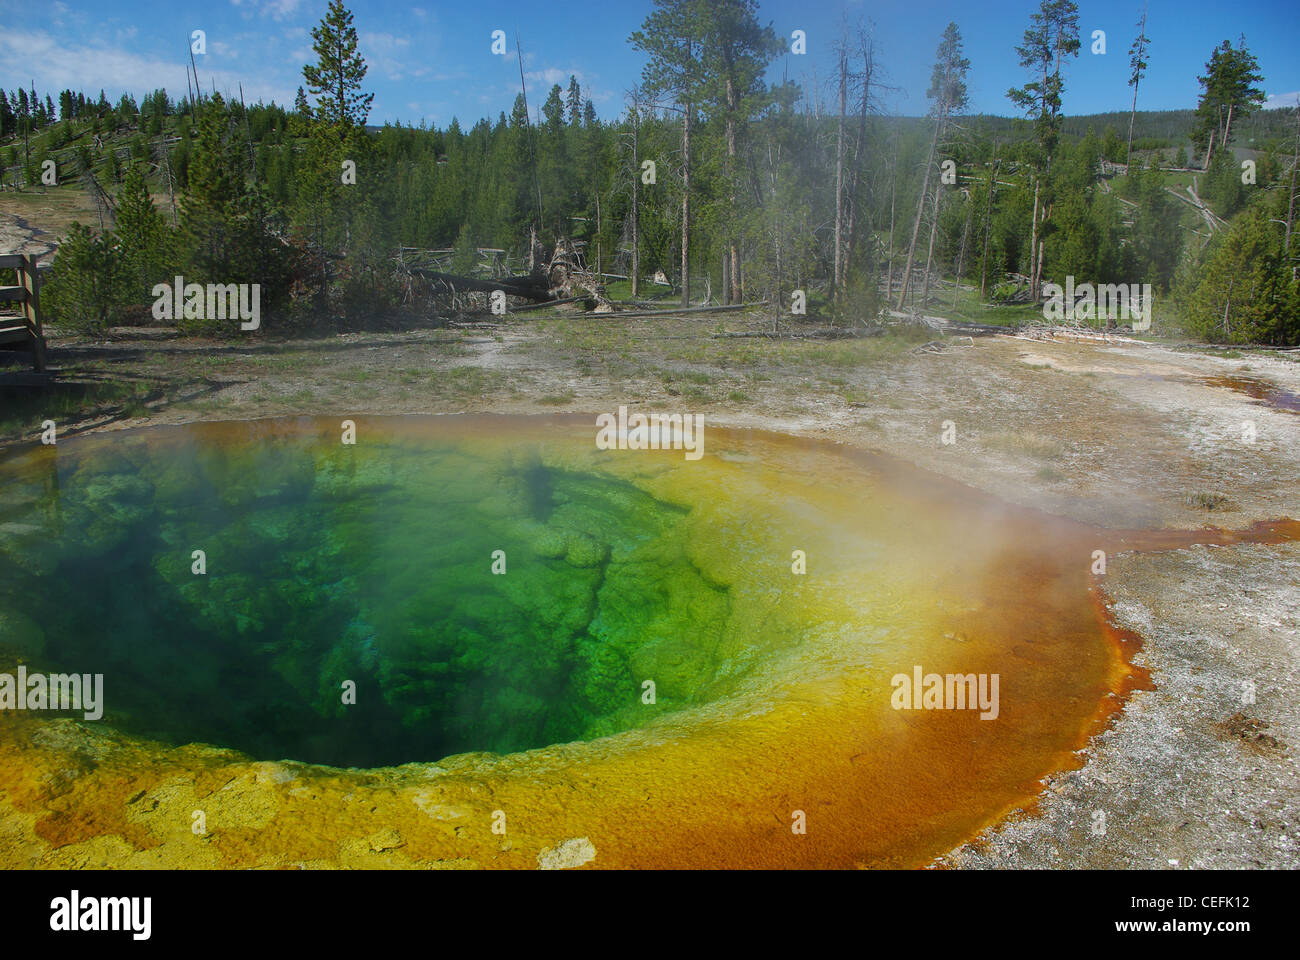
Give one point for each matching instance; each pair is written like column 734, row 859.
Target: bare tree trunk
column 929, row 253
column 988, row 225
column 961, row 256
column 636, row 189
column 171, row 190
column 1128, row 156
column 920, row 209
column 778, row 239
column 839, row 169
column 686, row 207
column 1290, row 206
column 893, row 196
column 850, row 246
column 731, row 292
column 1227, row 332
column 1033, row 251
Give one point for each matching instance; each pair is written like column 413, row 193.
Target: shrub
column 84, row 285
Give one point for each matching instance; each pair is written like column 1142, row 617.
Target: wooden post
column 30, row 279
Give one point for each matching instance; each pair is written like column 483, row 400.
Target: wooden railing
column 24, row 331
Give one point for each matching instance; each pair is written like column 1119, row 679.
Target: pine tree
column 1138, row 67
column 673, row 37
column 736, row 51
column 1244, row 290
column 574, row 102
column 335, row 79
column 1052, row 35
column 519, row 112
column 84, row 287
column 1228, row 92
column 140, row 232
column 214, row 187
column 553, row 110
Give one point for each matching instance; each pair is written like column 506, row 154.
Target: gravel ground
column 1201, row 771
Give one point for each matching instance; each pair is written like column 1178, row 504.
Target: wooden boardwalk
column 23, row 332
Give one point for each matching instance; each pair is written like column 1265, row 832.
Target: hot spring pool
column 489, row 639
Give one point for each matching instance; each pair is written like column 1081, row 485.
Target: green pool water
column 370, row 564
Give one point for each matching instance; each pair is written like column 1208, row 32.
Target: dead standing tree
column 934, row 228
column 866, row 80
column 849, row 179
column 636, row 191
column 948, row 92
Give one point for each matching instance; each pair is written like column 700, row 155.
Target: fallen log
column 547, row 303
column 817, row 333
column 527, row 287
column 954, row 326
column 642, row 314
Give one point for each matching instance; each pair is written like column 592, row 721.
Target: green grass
column 23, row 409
column 969, row 308
column 466, row 381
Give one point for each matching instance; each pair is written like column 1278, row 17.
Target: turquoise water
column 372, row 564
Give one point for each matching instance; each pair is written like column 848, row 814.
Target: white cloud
column 383, row 42
column 275, row 9
column 383, row 52
column 281, row 9
column 553, row 75
column 58, row 63
column 1276, row 100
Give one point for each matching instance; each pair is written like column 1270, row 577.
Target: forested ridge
column 733, row 188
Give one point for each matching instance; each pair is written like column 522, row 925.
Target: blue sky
column 430, row 60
